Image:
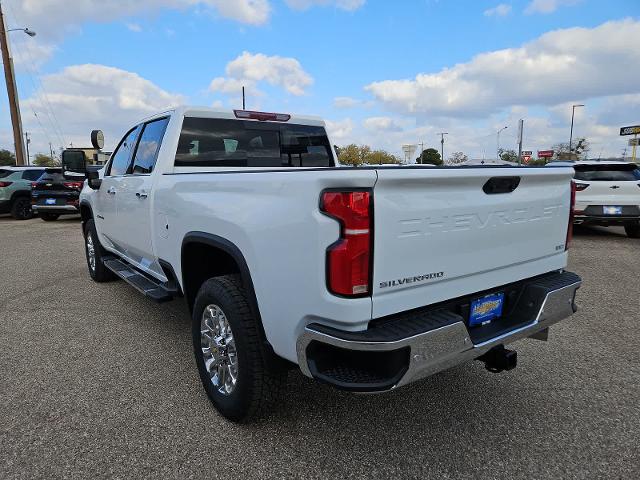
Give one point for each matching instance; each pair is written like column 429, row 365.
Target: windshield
column 237, row 143
column 607, row 173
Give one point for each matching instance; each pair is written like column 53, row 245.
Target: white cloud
column 53, row 18
column 501, row 10
column 90, row 96
column 340, row 130
column 134, row 27
column 381, row 124
column 548, row 6
column 345, row 102
column 30, row 55
column 349, row 5
column 562, row 65
column 249, row 69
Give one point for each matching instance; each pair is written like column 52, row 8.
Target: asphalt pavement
column 97, row 381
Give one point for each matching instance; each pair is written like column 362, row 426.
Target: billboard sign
column 633, row 130
column 545, row 153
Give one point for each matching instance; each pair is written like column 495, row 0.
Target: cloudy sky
column 381, row 73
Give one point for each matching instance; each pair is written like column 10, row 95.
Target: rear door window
column 32, row 175
column 210, row 142
column 148, row 146
column 607, row 173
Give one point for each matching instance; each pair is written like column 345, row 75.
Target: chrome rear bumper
column 440, row 348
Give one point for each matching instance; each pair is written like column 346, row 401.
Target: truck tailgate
column 439, row 235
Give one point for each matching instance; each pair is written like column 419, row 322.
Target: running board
column 145, row 285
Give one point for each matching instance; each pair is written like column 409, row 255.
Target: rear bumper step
column 417, row 344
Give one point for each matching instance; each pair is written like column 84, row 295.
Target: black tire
column 260, row 381
column 49, row 217
column 21, row 208
column 633, row 231
column 98, row 272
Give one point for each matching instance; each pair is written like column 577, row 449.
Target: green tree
column 579, row 149
column 350, row 155
column 43, row 160
column 381, row 157
column 7, row 158
column 457, row 158
column 429, row 155
column 508, row 155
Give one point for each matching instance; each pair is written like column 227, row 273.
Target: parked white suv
column 363, row 278
column 608, row 193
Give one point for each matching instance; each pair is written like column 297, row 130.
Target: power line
column 39, row 91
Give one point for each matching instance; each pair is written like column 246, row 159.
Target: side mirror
column 93, row 179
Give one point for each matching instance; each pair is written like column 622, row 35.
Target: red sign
column 545, row 153
column 526, row 158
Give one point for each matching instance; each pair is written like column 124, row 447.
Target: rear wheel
column 95, row 255
column 21, row 208
column 231, row 357
column 633, row 230
column 49, row 217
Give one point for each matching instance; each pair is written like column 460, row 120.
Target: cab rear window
column 210, row 142
column 607, row 173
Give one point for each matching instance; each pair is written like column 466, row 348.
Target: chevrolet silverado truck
column 365, row 279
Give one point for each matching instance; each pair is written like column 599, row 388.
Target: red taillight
column 262, row 116
column 34, row 185
column 580, row 186
column 5, row 184
column 73, row 185
column 572, row 205
column 348, row 259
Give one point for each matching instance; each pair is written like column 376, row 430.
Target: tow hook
column 499, row 359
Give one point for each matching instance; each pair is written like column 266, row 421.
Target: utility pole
column 51, row 150
column 243, row 104
column 442, row 134
column 520, row 131
column 27, row 142
column 573, row 112
column 10, row 78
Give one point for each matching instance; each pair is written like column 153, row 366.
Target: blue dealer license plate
column 50, row 201
column 485, row 309
column 612, row 210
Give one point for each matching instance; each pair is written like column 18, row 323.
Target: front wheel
column 95, row 255
column 231, row 357
column 21, row 208
column 49, row 217
column 633, row 230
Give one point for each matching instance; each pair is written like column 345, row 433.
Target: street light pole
column 498, row 143
column 442, row 134
column 12, row 91
column 573, row 112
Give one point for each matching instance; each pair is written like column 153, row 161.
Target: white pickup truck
column 364, row 278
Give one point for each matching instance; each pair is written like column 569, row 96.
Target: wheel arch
column 86, row 213
column 229, row 260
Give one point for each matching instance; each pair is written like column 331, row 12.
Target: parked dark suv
column 55, row 194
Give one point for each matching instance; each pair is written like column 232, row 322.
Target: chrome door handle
column 111, row 191
column 142, row 194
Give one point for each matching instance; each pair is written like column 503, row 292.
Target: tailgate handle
column 501, row 185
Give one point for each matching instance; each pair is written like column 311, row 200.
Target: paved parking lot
column 98, row 381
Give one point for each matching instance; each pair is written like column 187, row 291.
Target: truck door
column 134, row 199
column 107, row 221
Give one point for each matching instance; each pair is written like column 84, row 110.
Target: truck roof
column 209, row 112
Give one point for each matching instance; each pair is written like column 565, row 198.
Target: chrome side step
column 147, row 286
